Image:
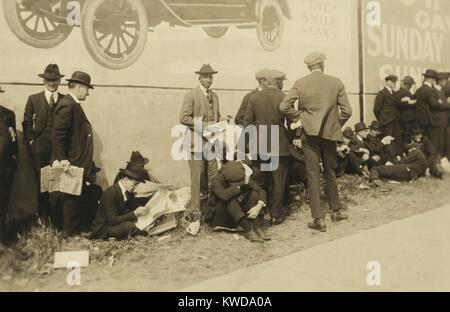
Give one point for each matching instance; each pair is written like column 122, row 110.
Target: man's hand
column 255, row 211
column 296, row 125
column 389, row 163
column 13, row 134
column 365, row 157
column 364, row 150
column 65, row 164
column 141, row 211
column 376, row 158
column 412, row 102
column 297, row 143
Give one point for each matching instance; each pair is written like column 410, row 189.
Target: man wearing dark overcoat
column 73, row 144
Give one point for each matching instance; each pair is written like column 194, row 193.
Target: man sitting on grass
column 116, row 216
column 238, row 201
column 408, row 169
column 348, row 162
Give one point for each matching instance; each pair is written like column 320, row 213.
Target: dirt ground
column 175, row 260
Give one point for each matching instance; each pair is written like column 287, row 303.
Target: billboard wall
column 137, row 100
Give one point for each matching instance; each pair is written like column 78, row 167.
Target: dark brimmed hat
column 360, row 126
column 412, row 145
column 348, row 133
column 409, row 80
column 416, row 131
column 81, row 77
column 206, row 69
column 135, row 172
column 233, row 172
column 375, row 125
column 431, row 73
column 137, row 159
column 392, row 78
column 51, row 73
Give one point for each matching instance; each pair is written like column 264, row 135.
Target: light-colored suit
column 323, row 105
column 323, row 109
column 195, row 105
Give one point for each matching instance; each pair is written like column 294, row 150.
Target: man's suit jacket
column 240, row 115
column 444, row 107
column 323, row 105
column 8, row 149
column 406, row 110
column 36, row 105
column 195, row 105
column 72, row 135
column 356, row 144
column 113, row 210
column 263, row 110
column 416, row 162
column 427, row 106
column 386, row 107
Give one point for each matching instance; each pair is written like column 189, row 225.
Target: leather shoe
column 263, row 235
column 253, row 237
column 276, row 221
column 318, row 225
column 338, row 216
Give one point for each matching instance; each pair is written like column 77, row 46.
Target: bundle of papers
column 56, row 179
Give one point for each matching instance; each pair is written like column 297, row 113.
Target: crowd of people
column 411, row 134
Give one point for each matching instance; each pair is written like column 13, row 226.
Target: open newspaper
column 57, row 180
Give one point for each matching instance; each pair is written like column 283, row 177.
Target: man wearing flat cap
column 263, row 112
column 202, row 105
column 406, row 106
column 323, row 109
column 428, row 107
column 38, row 125
column 73, row 143
column 386, row 110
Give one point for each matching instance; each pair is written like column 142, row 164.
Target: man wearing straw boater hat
column 72, row 143
column 38, row 126
column 201, row 104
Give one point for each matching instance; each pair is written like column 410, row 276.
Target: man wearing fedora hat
column 380, row 146
column 386, row 110
column 38, row 125
column 8, row 164
column 137, row 159
column 72, row 142
column 116, row 216
column 323, row 109
column 407, row 105
column 347, row 161
column 429, row 106
column 199, row 111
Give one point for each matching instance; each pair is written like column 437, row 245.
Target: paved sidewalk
column 414, row 255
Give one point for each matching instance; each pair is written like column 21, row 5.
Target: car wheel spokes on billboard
column 216, row 32
column 270, row 26
column 114, row 31
column 38, row 23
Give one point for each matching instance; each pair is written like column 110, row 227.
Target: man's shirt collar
column 74, row 97
column 124, row 191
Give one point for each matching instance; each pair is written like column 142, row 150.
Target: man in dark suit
column 263, row 112
column 387, row 113
column 323, row 108
column 240, row 115
column 72, row 143
column 239, row 201
column 8, row 155
column 381, row 146
column 407, row 106
column 442, row 113
column 428, row 106
column 38, row 125
column 427, row 148
column 116, row 216
column 348, row 162
column 409, row 168
column 200, row 111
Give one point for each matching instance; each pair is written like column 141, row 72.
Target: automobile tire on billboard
column 270, row 26
column 216, row 32
column 34, row 22
column 114, row 32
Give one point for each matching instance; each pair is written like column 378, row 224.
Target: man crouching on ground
column 239, row 201
column 116, row 217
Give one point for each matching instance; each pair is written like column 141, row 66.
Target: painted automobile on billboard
column 115, row 32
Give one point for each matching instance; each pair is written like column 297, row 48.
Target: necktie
column 52, row 101
column 211, row 105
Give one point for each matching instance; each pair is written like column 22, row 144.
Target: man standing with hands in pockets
column 323, row 108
